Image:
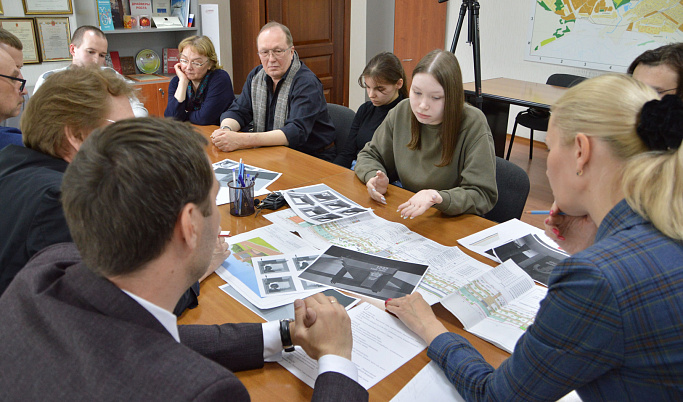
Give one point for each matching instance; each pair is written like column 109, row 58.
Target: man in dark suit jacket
column 101, row 328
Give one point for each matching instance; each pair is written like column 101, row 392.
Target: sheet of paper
column 532, row 255
column 449, row 268
column 365, row 274
column 287, row 311
column 483, row 242
column 498, row 306
column 430, row 384
column 320, row 204
column 237, row 270
column 224, row 174
column 279, row 275
column 381, row 344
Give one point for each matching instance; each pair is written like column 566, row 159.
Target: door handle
column 162, row 92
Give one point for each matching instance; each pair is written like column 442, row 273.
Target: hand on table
column 572, row 233
column 321, row 327
column 417, row 315
column 377, row 187
column 228, row 140
column 419, row 203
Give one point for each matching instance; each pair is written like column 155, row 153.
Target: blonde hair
column 203, row 46
column 608, row 107
column 75, row 98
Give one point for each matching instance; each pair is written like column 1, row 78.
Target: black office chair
column 342, row 117
column 537, row 119
column 513, row 190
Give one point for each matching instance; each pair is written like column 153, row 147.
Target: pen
column 540, row 213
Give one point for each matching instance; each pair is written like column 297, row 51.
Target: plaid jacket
column 611, row 326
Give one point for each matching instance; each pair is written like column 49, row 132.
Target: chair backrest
column 564, row 80
column 342, row 117
column 513, row 189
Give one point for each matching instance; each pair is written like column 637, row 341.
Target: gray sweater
column 467, row 184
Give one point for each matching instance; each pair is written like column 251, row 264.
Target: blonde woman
column 610, row 325
column 201, row 89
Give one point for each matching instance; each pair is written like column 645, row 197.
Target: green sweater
column 467, row 184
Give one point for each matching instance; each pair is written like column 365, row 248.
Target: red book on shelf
column 170, row 58
column 116, row 62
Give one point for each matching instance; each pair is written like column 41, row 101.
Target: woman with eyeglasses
column 201, row 89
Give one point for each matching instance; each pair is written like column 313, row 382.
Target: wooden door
column 154, row 96
column 320, row 29
column 419, row 28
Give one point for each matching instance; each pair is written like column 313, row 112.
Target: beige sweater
column 467, row 184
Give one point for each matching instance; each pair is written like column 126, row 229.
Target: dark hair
column 77, row 37
column 670, row 55
column 75, row 98
column 10, row 39
column 126, row 187
column 444, row 67
column 386, row 68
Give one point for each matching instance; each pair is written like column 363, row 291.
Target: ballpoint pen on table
column 540, row 213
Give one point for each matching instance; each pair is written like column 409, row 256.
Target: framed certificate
column 47, row 7
column 25, row 30
column 2, row 11
column 54, row 36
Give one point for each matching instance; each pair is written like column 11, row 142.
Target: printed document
column 449, row 268
column 381, row 344
column 497, row 306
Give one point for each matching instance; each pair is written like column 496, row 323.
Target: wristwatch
column 285, row 336
column 226, row 127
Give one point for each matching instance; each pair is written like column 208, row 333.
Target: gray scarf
column 259, row 97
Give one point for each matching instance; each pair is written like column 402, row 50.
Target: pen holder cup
column 241, row 199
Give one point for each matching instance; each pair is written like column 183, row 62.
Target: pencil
column 540, row 213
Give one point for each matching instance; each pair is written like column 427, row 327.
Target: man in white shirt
column 89, row 47
column 145, row 231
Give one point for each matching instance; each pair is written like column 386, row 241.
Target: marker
column 540, row 213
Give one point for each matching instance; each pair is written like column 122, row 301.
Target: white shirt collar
column 165, row 317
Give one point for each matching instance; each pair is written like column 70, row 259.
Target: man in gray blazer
column 93, row 321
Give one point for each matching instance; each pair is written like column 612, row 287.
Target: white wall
column 503, row 35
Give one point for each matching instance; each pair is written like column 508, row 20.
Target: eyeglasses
column 278, row 53
column 194, row 63
column 23, row 81
column 666, row 90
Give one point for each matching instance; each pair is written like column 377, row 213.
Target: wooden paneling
column 320, row 29
column 246, row 18
column 419, row 28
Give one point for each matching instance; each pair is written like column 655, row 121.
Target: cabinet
column 154, row 95
column 128, row 42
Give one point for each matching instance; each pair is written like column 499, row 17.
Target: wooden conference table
column 273, row 382
column 500, row 93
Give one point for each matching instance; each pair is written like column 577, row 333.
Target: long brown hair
column 444, row 67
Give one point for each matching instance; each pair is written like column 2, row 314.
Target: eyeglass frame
column 194, row 63
column 23, row 81
column 273, row 52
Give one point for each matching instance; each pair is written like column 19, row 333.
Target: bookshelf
column 128, row 42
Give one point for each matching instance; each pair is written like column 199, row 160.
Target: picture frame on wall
column 54, row 36
column 25, row 30
column 2, row 10
column 43, row 7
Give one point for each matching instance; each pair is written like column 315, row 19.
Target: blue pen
column 540, row 213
